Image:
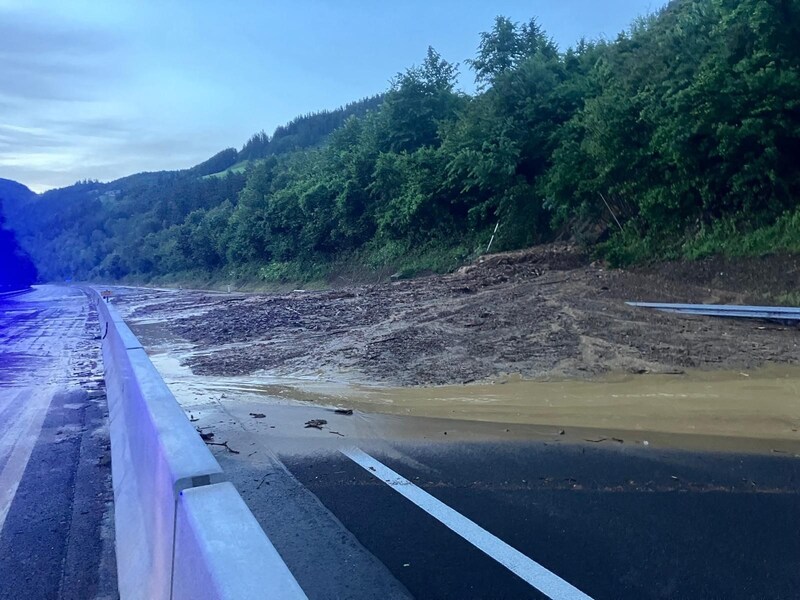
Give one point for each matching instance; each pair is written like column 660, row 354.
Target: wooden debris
column 316, row 423
column 207, row 436
column 264, row 480
column 344, row 411
column 224, row 445
column 258, row 415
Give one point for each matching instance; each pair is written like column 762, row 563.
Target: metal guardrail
column 773, row 313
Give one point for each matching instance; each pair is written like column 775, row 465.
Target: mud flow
column 534, row 338
column 757, row 411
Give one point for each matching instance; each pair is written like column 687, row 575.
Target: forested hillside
column 678, row 138
column 16, row 269
column 149, row 224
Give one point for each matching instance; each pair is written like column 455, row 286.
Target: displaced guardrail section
column 182, row 531
column 786, row 314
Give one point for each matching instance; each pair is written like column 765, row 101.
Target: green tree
column 421, row 99
column 506, row 46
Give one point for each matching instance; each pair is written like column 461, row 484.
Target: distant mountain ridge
column 305, row 131
column 674, row 140
column 91, row 228
column 13, row 190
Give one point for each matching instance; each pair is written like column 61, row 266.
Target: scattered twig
column 258, row 415
column 553, row 282
column 597, row 441
column 385, row 339
column 263, row 480
column 337, row 433
column 206, row 436
column 344, row 411
column 316, row 423
column 224, row 445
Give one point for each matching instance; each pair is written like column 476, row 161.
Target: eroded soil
column 543, row 313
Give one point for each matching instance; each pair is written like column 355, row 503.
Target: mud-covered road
column 544, row 313
column 657, row 459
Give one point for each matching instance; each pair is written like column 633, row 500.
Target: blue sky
column 102, row 89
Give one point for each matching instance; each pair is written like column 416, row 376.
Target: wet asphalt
column 615, row 522
column 56, row 538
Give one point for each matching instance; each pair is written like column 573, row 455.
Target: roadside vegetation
column 677, row 139
column 16, row 269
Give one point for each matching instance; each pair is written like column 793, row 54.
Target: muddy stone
column 543, row 313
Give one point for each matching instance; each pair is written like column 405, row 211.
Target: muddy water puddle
column 763, row 404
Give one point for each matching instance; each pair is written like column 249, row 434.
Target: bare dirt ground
column 544, row 313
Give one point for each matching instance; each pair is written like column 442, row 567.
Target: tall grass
column 726, row 239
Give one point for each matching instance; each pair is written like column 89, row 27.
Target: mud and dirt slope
column 543, row 312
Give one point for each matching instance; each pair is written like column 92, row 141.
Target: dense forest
column 679, row 138
column 16, row 269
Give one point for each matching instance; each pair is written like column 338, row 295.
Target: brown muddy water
column 713, row 410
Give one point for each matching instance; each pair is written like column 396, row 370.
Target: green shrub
column 726, row 239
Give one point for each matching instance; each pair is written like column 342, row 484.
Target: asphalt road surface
column 378, row 510
column 389, row 506
column 611, row 522
column 56, row 531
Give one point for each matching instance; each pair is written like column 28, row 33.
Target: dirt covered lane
column 541, row 313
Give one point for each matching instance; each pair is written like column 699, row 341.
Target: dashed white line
column 547, row 582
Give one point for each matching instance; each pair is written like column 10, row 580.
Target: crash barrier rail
column 182, row 530
column 786, row 314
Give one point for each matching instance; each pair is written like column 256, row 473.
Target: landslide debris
column 543, row 312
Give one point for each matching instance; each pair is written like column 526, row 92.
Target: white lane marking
column 550, row 584
column 8, row 440
column 29, row 425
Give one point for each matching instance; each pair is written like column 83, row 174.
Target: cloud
column 80, row 101
column 59, row 155
column 41, row 60
column 56, row 118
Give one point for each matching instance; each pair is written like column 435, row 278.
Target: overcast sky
column 102, row 89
